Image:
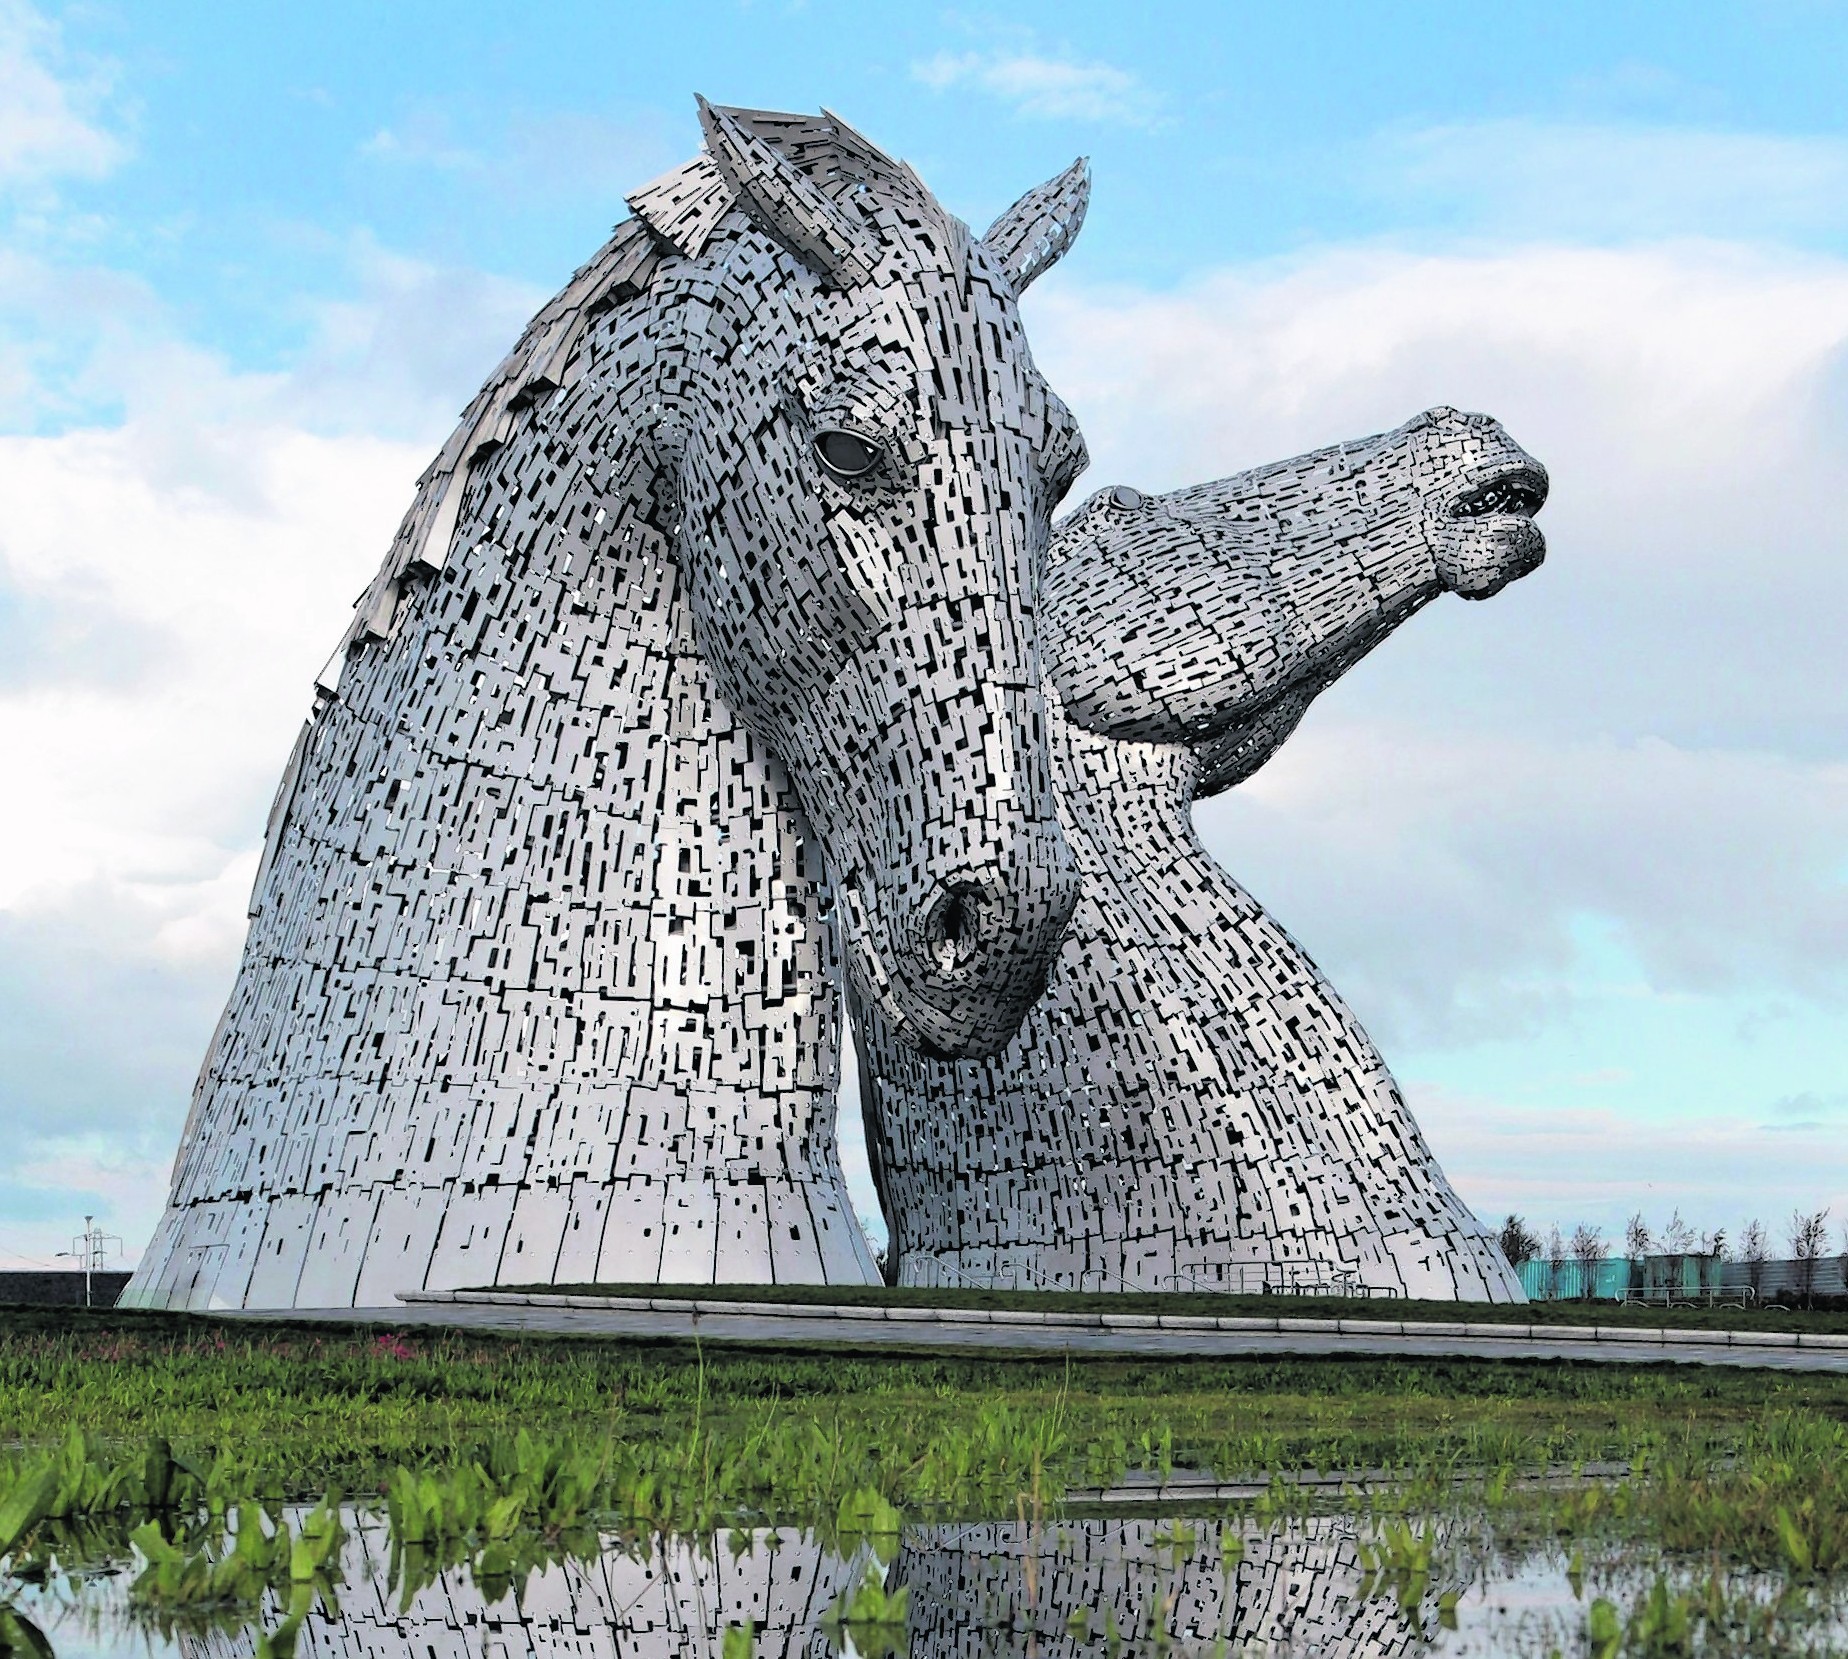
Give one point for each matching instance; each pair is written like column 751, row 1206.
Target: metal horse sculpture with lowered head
column 1191, row 1105
column 715, row 615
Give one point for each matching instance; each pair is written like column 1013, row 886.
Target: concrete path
column 786, row 1324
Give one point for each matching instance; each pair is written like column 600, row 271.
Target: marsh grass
column 193, row 1442
column 298, row 1407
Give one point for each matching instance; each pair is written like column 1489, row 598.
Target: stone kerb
column 1280, row 1325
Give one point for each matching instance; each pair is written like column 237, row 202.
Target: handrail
column 940, row 1270
column 1279, row 1278
column 1289, row 1278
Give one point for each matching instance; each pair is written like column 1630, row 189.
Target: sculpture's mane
column 673, row 217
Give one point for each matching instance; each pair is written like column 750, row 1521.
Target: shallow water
column 1068, row 1587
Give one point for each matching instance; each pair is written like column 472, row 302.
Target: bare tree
column 1588, row 1251
column 875, row 1232
column 1809, row 1237
column 1636, row 1239
column 1518, row 1244
column 1677, row 1241
column 1755, row 1249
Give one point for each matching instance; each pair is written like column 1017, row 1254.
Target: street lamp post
column 91, row 1248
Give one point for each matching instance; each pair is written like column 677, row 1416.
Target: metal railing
column 1276, row 1279
column 933, row 1273
column 1243, row 1279
column 1678, row 1296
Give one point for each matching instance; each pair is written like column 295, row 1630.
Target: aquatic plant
column 1781, row 1503
column 868, row 1619
column 1398, row 1559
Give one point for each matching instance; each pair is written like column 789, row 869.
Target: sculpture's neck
column 545, row 734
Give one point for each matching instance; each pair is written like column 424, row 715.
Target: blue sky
column 1577, row 856
column 255, row 144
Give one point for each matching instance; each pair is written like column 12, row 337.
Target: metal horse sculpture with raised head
column 716, row 614
column 1191, row 1105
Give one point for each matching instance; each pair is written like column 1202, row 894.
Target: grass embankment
column 1822, row 1319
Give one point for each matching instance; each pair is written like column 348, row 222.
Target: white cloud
column 406, row 348
column 139, row 791
column 1044, row 87
column 169, row 585
column 1683, row 358
column 45, row 129
column 1593, row 1164
column 149, row 777
column 1651, row 731
column 1612, row 181
column 1443, row 875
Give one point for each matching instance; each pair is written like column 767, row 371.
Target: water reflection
column 1301, row 1589
column 989, row 1589
column 666, row 1597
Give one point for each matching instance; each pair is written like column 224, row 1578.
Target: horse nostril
column 952, row 926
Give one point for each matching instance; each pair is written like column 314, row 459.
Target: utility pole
column 91, row 1248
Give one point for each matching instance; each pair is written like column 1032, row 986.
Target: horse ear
column 785, row 204
column 1032, row 236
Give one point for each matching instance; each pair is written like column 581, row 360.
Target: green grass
column 1827, row 1320
column 504, row 1451
column 300, row 1406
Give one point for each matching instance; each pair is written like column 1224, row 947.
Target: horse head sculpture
column 1197, row 615
column 865, row 465
column 717, row 611
column 1191, row 1105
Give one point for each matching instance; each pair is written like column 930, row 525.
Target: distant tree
column 1755, row 1251
column 1588, row 1251
column 1518, row 1244
column 875, row 1232
column 1809, row 1237
column 1636, row 1240
column 1676, row 1242
column 1844, row 1256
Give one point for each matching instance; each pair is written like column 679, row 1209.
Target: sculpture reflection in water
column 1191, row 1104
column 985, row 1589
column 1300, row 1589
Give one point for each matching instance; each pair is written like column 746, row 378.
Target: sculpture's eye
column 845, row 455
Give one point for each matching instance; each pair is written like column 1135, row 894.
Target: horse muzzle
column 971, row 952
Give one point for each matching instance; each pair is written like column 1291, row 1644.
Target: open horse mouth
column 1519, row 492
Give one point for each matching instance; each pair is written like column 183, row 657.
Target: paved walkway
column 787, row 1324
